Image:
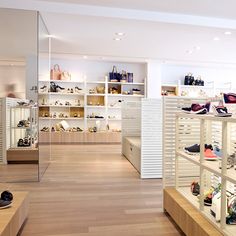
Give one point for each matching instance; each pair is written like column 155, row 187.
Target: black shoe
column 195, row 188
column 4, row 204
column 193, row 149
column 208, row 146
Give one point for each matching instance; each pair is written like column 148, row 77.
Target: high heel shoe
column 77, row 89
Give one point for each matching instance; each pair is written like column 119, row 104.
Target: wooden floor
column 91, row 190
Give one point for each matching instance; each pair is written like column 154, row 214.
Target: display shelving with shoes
column 96, row 104
column 23, row 134
column 205, row 155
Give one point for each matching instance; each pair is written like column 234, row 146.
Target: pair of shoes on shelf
column 221, row 111
column 197, row 109
column 92, row 129
column 78, row 89
column 23, row 123
column 45, row 129
column 231, row 161
column 6, row 199
column 24, row 142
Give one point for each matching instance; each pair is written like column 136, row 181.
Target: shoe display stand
column 10, row 133
column 142, row 136
column 84, row 108
column 13, row 218
column 23, row 135
column 181, row 168
column 210, row 89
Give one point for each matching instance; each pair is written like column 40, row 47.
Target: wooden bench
column 12, row 218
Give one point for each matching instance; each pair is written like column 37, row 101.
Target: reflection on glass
column 19, row 156
column 43, row 75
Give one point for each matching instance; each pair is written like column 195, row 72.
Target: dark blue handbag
column 114, row 76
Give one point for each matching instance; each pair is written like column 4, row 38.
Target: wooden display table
column 188, row 218
column 12, row 218
column 79, row 137
column 23, row 155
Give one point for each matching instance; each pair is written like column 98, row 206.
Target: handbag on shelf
column 100, row 89
column 124, row 77
column 130, row 77
column 55, row 73
column 65, row 75
column 114, row 76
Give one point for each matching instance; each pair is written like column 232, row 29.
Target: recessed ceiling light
column 85, row 57
column 117, row 39
column 216, row 39
column 227, row 33
column 189, row 51
column 120, row 33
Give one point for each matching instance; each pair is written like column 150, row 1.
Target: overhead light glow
column 120, row 33
column 117, row 39
column 189, row 51
column 51, row 36
column 216, row 39
column 85, row 57
column 197, row 48
column 227, row 33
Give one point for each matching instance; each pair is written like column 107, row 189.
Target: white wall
column 154, row 76
column 12, row 75
column 96, row 70
column 173, row 73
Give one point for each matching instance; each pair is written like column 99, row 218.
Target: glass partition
column 24, row 57
column 43, row 77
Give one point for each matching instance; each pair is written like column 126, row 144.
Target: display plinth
column 12, row 218
column 186, row 216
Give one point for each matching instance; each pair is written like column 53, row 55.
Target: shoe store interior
column 117, row 118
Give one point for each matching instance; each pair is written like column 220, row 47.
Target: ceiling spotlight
column 85, row 57
column 120, row 34
column 216, row 39
column 189, row 51
column 117, row 39
column 227, row 33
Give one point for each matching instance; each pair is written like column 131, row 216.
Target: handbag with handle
column 55, row 73
column 114, row 76
column 65, row 75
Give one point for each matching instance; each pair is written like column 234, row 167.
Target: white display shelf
column 125, row 95
column 194, row 200
column 142, row 84
column 64, row 94
column 62, row 81
column 114, row 119
column 114, row 107
column 96, row 82
column 209, row 129
column 61, row 106
column 92, row 119
column 212, row 166
column 192, row 158
column 91, row 106
column 96, row 94
column 62, row 118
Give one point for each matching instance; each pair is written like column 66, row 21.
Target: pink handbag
column 55, row 73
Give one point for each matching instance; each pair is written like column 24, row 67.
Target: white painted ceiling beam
column 88, row 10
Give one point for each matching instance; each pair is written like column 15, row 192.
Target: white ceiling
column 211, row 8
column 89, row 29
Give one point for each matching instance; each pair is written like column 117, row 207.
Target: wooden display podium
column 189, row 219
column 12, row 218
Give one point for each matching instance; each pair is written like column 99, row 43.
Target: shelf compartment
column 95, row 100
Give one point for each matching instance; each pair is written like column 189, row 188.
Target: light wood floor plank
column 91, row 190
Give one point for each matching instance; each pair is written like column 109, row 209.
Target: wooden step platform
column 12, row 218
column 186, row 216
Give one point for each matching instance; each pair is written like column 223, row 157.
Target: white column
column 153, row 86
